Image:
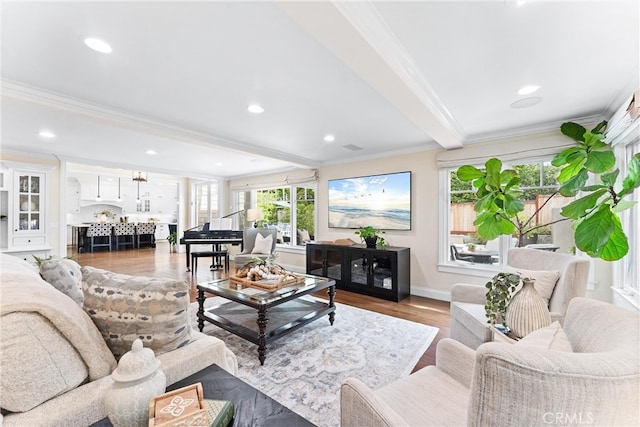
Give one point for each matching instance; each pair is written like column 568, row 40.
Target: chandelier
column 140, row 176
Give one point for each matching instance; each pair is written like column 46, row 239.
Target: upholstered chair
column 124, row 234
column 586, row 372
column 145, row 234
column 100, row 235
column 251, row 250
column 468, row 320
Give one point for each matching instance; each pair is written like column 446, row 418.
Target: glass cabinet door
column 29, row 200
column 334, row 264
column 382, row 270
column 371, row 268
column 359, row 264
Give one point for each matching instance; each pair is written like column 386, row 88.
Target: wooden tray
column 267, row 285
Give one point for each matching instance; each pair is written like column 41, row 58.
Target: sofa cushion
column 64, row 275
column 550, row 337
column 127, row 307
column 544, row 281
column 37, row 362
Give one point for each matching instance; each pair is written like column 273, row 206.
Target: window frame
column 445, row 264
column 626, row 273
column 293, row 245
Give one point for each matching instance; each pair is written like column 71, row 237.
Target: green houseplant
column 499, row 291
column 597, row 228
column 173, row 240
column 371, row 236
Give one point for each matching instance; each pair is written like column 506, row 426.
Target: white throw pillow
column 544, row 281
column 551, row 337
column 262, row 245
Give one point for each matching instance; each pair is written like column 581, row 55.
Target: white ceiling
column 386, row 76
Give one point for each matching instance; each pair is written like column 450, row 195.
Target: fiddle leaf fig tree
column 598, row 230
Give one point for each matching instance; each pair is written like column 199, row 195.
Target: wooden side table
column 499, row 336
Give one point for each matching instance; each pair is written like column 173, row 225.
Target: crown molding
column 531, row 130
column 124, row 119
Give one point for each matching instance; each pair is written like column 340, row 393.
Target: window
column 463, row 247
column 290, row 209
column 206, row 200
column 626, row 273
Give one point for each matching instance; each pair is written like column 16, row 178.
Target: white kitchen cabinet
column 72, row 197
column 162, row 231
column 24, row 232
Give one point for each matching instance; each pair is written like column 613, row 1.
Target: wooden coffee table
column 263, row 316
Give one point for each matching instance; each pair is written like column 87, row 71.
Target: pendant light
column 139, row 176
column 98, row 198
column 119, row 199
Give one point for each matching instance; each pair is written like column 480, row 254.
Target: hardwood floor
column 159, row 262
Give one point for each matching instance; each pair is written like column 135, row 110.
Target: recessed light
column 46, row 134
column 97, row 45
column 329, row 138
column 528, row 90
column 218, row 163
column 151, row 152
column 255, row 109
column 526, row 102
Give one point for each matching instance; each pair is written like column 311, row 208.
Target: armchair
column 250, row 251
column 517, row 384
column 468, row 320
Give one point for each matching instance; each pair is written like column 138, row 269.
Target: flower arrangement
column 106, row 212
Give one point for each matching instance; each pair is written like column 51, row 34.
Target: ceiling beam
column 356, row 33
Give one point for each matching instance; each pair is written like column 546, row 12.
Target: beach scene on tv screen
column 382, row 201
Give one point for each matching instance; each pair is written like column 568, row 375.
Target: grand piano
column 205, row 236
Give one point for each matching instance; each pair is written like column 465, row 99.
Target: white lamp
column 254, row 215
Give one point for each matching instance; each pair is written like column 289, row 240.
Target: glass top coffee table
column 261, row 316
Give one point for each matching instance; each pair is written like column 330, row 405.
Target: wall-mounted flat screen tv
column 382, row 201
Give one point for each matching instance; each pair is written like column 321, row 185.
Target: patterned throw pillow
column 64, row 275
column 128, row 307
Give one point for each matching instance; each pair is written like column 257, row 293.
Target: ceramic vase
column 527, row 311
column 137, row 379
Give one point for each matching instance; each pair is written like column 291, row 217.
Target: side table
column 498, row 335
column 252, row 407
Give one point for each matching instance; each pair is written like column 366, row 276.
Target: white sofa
column 524, row 384
column 59, row 344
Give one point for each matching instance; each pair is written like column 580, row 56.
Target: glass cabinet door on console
column 30, row 214
column 324, row 261
column 372, row 268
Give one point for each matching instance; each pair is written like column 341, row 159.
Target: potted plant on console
column 371, row 236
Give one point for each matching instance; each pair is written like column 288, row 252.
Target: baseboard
column 431, row 293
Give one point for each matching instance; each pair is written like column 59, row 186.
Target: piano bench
column 215, row 257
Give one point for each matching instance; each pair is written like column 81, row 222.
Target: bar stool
column 101, row 231
column 124, row 234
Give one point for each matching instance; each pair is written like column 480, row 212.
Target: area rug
column 303, row 370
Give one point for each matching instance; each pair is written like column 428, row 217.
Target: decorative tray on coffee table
column 266, row 277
